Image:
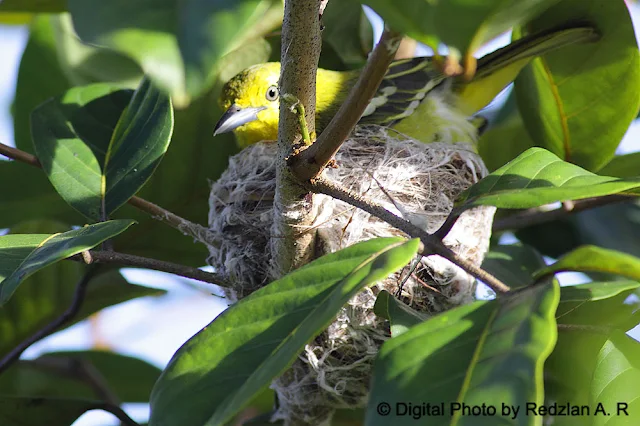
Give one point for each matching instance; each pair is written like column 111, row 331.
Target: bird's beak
column 235, row 117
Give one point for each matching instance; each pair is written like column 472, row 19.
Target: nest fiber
column 414, row 180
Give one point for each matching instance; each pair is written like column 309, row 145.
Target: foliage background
column 153, row 328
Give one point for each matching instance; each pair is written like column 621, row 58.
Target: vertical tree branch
column 294, row 205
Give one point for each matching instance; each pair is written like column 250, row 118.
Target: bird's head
column 251, row 102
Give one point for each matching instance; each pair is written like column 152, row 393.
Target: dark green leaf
column 623, row 166
column 615, row 380
column 45, row 295
column 15, row 411
column 33, row 252
column 179, row 44
column 71, row 135
column 538, row 177
column 595, row 259
column 348, row 31
column 68, row 375
column 506, row 137
column 514, row 265
column 483, row 353
column 463, row 24
column 579, row 102
column 262, row 334
column 401, row 316
column 181, row 182
column 84, row 64
column 587, row 315
column 31, row 89
column 560, row 236
column 25, row 201
column 137, row 145
column 94, row 154
column 33, row 6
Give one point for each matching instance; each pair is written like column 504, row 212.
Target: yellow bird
column 414, row 97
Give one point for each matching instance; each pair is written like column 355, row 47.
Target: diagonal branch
column 311, row 162
column 432, row 244
column 124, row 260
column 53, row 326
column 185, row 226
column 538, row 215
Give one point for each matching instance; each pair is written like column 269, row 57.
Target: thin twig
column 537, row 216
column 53, row 326
column 78, row 369
column 122, row 259
column 311, row 162
column 431, row 244
column 185, row 226
column 118, row 412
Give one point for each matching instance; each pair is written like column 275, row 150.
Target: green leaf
column 463, row 24
column 179, row 44
column 537, row 177
column 61, row 375
column 595, row 259
column 17, row 411
column 623, row 166
column 24, row 202
column 514, row 264
column 181, row 182
column 483, row 353
column 46, row 294
column 401, row 316
column 558, row 237
column 615, row 379
column 262, row 334
column 588, row 314
column 579, row 102
column 31, row 89
column 84, row 64
column 71, row 136
column 33, row 6
column 348, row 32
column 96, row 155
column 31, row 253
column 137, row 145
column 506, row 137
column 595, row 291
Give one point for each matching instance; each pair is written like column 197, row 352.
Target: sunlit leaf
column 261, row 335
column 179, row 44
column 579, row 102
column 95, row 155
column 27, row 253
column 595, row 259
column 483, row 353
column 537, row 177
column 463, row 24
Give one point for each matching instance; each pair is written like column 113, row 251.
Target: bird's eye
column 272, row 93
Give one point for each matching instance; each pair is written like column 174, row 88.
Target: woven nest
column 415, row 180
